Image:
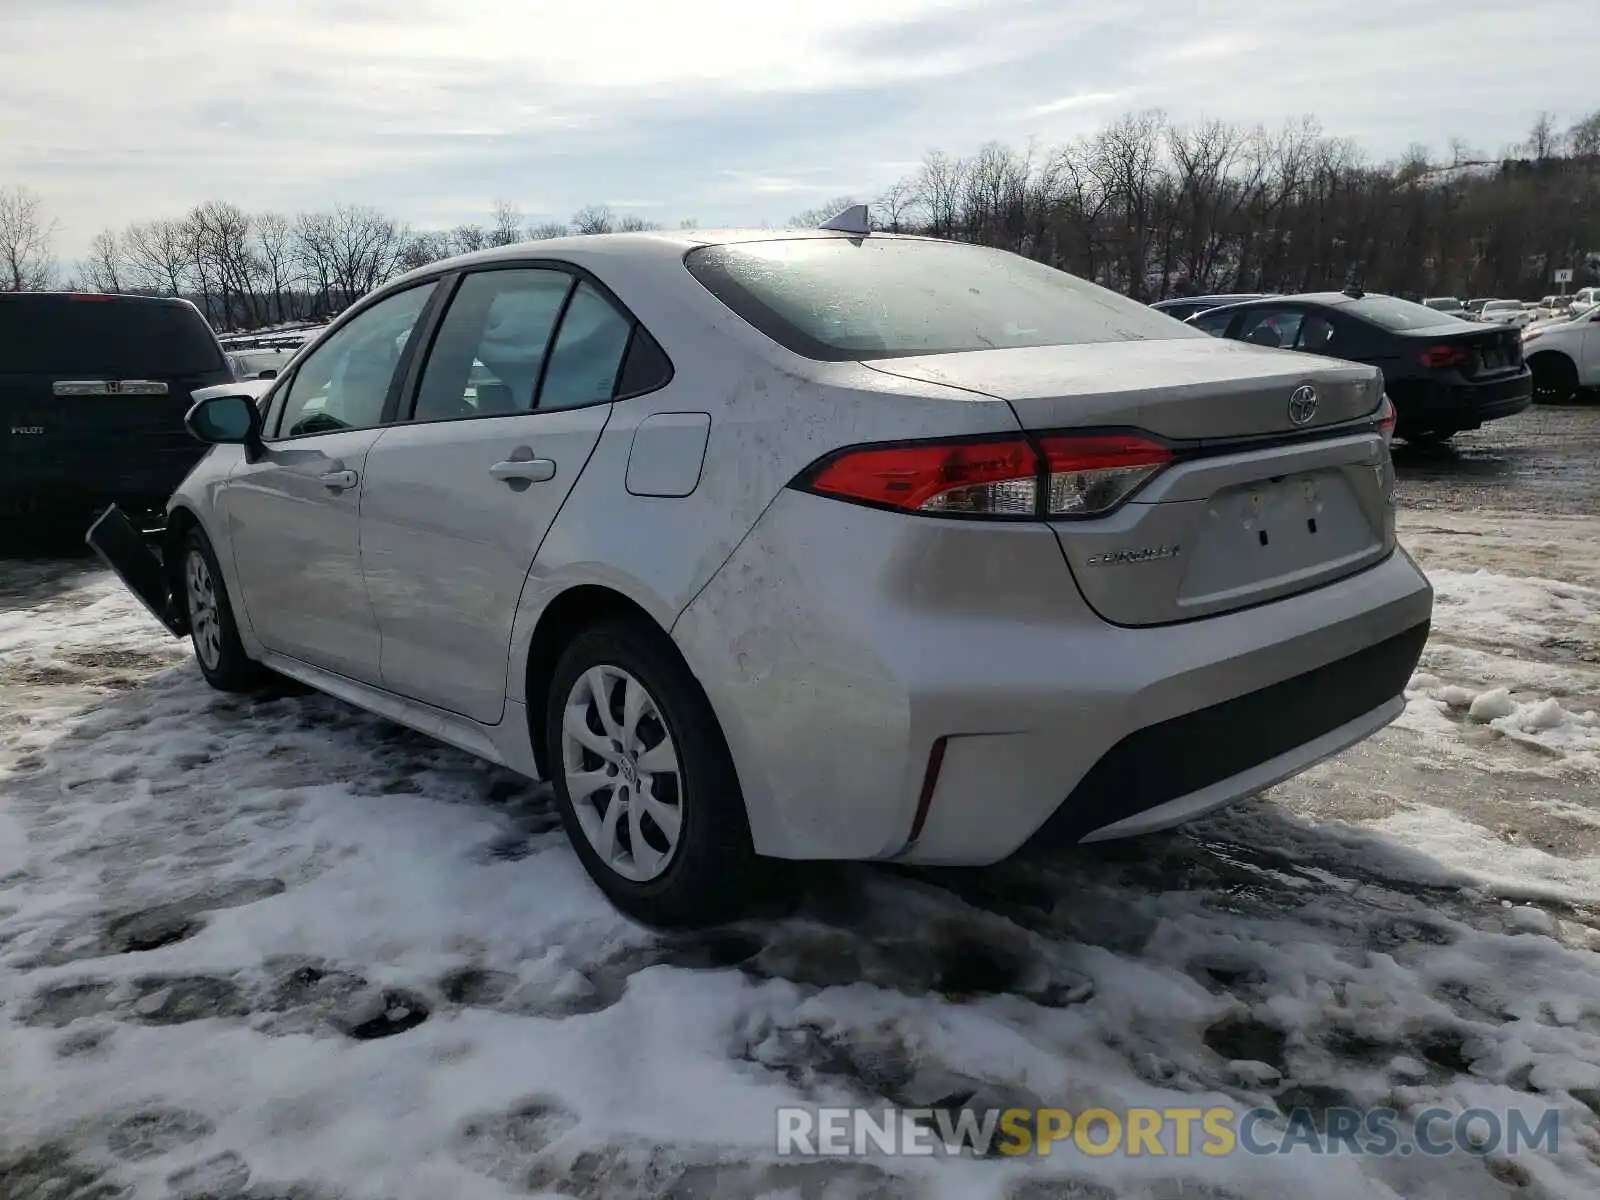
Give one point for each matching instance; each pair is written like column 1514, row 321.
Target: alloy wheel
column 204, row 620
column 621, row 770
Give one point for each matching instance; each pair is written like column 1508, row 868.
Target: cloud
column 717, row 109
column 1081, row 100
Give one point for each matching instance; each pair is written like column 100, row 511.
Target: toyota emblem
column 1303, row 404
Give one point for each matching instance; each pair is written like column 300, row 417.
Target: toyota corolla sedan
column 815, row 544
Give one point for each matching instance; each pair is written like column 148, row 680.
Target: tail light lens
column 1436, row 357
column 1386, row 418
column 1057, row 475
column 1090, row 475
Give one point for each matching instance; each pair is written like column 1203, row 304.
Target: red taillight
column 1436, row 357
column 996, row 478
column 91, row 297
column 1386, row 418
column 1060, row 475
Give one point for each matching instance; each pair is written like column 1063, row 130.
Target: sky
column 724, row 111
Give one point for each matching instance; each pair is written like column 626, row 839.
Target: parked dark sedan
column 1184, row 307
column 1442, row 374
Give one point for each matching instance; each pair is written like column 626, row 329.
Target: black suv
column 93, row 391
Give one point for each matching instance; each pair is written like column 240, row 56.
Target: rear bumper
column 126, row 548
column 840, row 646
column 1427, row 405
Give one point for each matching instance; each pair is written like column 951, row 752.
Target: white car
column 1564, row 355
column 1514, row 313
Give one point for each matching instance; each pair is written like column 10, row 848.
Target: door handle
column 340, row 481
column 524, row 470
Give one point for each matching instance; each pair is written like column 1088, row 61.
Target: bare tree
column 424, row 248
column 27, row 261
column 101, row 269
column 1544, row 139
column 896, row 203
column 635, row 224
column 466, row 238
column 1583, row 139
column 350, row 251
column 594, row 218
column 545, row 230
column 506, row 227
column 275, row 250
column 157, row 257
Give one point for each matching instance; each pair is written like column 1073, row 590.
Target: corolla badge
column 1302, row 404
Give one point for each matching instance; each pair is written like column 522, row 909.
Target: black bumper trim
column 125, row 548
column 1176, row 757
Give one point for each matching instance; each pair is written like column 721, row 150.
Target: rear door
column 93, row 391
column 510, row 403
column 293, row 514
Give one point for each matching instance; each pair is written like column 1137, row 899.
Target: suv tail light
column 1055, row 475
column 1444, row 356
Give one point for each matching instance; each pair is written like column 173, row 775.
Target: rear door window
column 104, row 336
column 588, row 352
column 1214, row 322
column 1317, row 335
column 1275, row 327
column 491, row 346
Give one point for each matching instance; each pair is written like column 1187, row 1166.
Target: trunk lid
column 1187, row 389
column 1255, row 506
column 1492, row 350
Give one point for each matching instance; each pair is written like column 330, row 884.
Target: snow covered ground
column 274, row 947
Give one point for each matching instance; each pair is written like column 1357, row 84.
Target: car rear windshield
column 126, row 339
column 839, row 299
column 1392, row 313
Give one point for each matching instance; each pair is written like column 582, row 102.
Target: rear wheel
column 1555, row 379
column 644, row 780
column 211, row 625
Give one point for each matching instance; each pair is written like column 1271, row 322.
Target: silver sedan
column 797, row 545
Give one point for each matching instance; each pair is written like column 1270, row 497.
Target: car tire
column 1555, row 379
column 212, row 628
column 703, row 870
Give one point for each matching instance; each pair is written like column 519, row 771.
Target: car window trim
column 413, row 382
column 391, row 399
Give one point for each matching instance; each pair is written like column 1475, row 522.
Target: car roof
column 100, row 297
column 658, row 245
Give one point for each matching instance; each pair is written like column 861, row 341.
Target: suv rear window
column 123, row 338
column 843, row 298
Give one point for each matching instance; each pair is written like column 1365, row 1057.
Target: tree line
column 1147, row 206
column 1155, row 208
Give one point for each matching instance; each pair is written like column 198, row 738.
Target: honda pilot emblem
column 1303, row 404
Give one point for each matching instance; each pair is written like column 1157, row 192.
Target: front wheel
column 211, row 625
column 645, row 783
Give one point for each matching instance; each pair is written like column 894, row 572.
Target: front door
column 294, row 514
column 510, row 404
